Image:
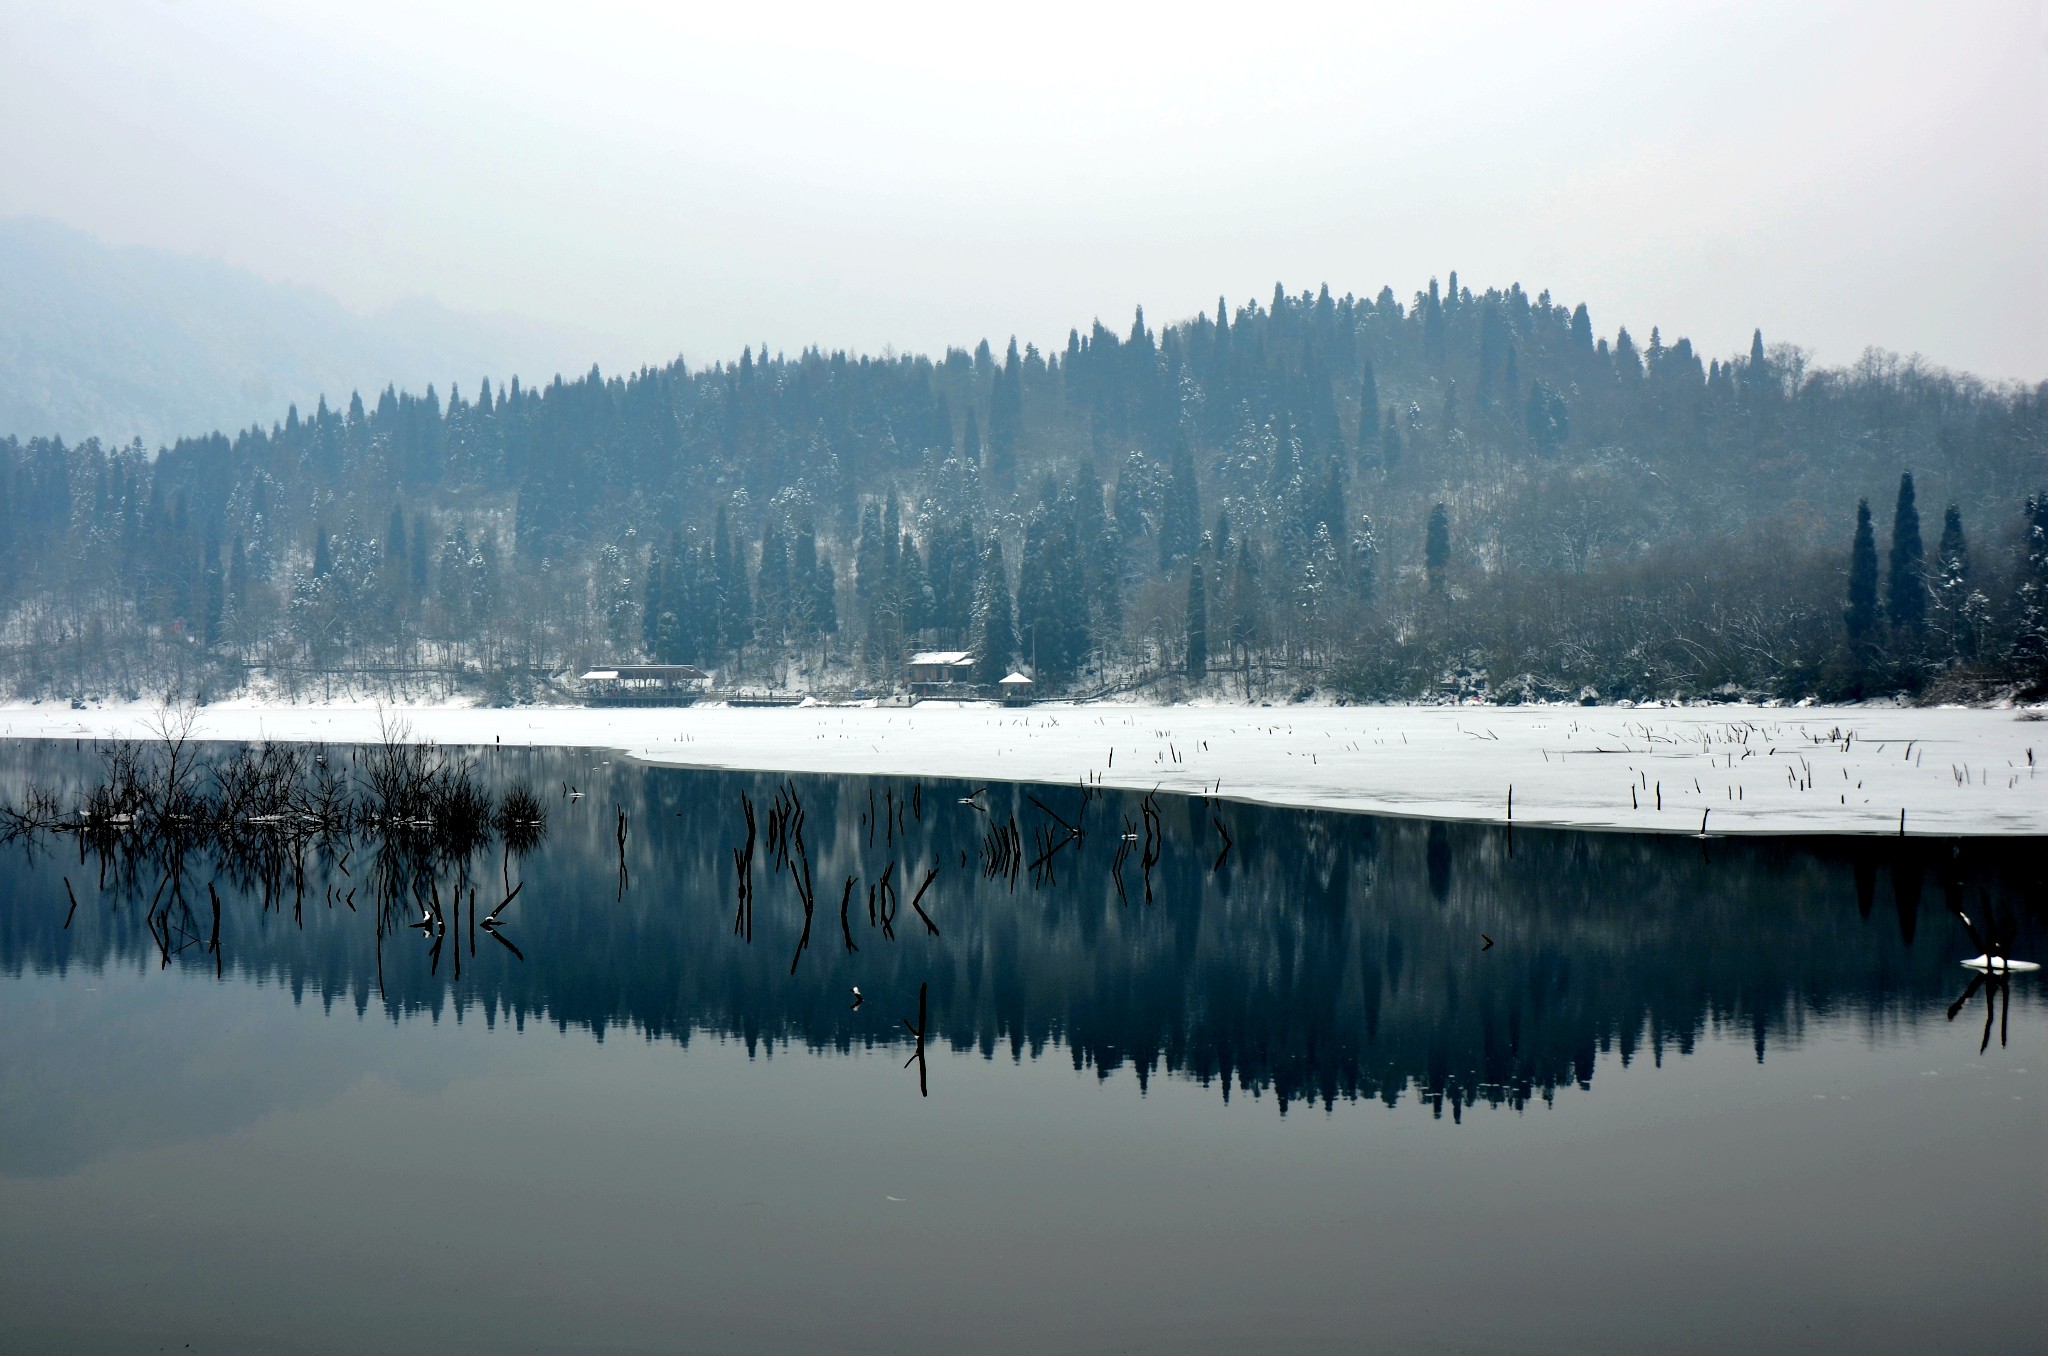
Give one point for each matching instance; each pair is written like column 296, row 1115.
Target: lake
column 1193, row 1075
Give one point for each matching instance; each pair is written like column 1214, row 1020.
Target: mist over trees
column 1348, row 494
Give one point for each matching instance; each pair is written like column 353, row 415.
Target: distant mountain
column 123, row 342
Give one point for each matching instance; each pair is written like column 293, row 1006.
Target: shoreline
column 1747, row 770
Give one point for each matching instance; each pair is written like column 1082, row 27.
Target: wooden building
column 941, row 673
column 644, row 684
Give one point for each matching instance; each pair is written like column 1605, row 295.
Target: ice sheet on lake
column 1748, row 769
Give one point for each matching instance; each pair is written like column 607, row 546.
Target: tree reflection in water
column 1316, row 957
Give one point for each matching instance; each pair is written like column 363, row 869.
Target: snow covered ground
column 1749, row 769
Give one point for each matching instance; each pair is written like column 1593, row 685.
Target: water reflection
column 1323, row 958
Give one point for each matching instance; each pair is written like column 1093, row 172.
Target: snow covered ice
column 1748, row 769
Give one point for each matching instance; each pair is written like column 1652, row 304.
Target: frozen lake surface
column 1741, row 769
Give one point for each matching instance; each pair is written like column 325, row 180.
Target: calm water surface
column 1695, row 1096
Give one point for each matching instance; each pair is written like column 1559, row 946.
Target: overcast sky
column 682, row 181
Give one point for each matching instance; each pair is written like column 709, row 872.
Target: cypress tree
column 1198, row 624
column 1905, row 588
column 1436, row 548
column 1860, row 617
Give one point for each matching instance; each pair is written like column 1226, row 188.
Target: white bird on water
column 2000, row 964
column 858, row 999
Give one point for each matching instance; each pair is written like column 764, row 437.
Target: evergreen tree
column 1905, row 584
column 1952, row 584
column 1181, row 526
column 870, row 559
column 1329, row 506
column 735, row 610
column 892, row 542
column 803, row 587
column 950, row 564
column 1006, row 418
column 1051, row 620
column 824, row 597
column 1365, row 563
column 1197, row 624
column 1436, row 548
column 483, row 580
column 654, row 603
column 1627, row 364
column 1368, row 412
column 995, row 630
column 771, row 587
column 1860, row 617
column 417, row 556
column 1757, row 376
column 915, row 602
column 1548, row 420
column 970, row 442
column 2030, row 638
column 1582, row 329
column 214, row 603
column 238, row 586
column 692, row 604
column 1246, row 606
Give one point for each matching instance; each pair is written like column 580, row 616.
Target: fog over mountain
column 126, row 342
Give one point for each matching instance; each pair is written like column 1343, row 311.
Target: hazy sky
column 681, row 180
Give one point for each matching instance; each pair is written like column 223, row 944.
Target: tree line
column 1353, row 494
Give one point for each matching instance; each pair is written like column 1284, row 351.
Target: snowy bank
column 1952, row 771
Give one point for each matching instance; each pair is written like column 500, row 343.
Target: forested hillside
column 1352, row 495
